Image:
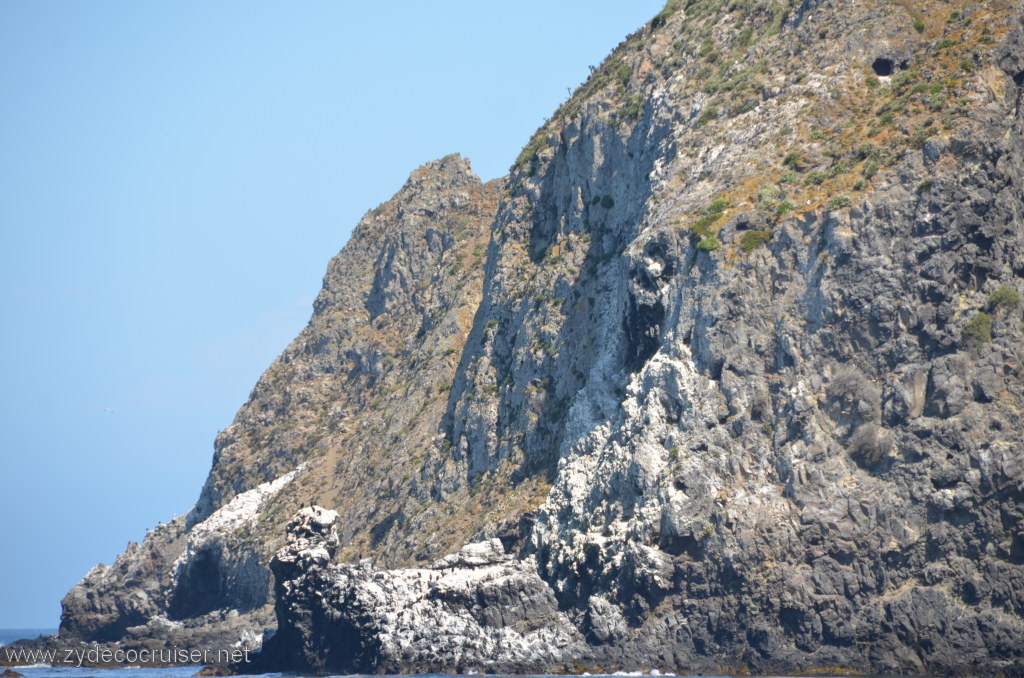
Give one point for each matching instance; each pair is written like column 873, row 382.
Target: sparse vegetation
column 978, row 329
column 866, row 150
column 854, row 394
column 870, row 443
column 530, row 151
column 838, row 202
column 633, row 105
column 768, row 195
column 751, row 240
column 662, row 17
column 708, row 244
column 702, row 227
column 794, row 160
column 920, row 137
column 1004, row 298
column 622, row 74
column 815, row 178
column 718, row 206
column 710, row 113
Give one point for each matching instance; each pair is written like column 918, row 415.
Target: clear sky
column 174, row 177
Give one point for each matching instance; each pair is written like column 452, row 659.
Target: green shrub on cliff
column 979, row 329
column 837, row 202
column 1004, row 297
column 708, row 244
column 751, row 240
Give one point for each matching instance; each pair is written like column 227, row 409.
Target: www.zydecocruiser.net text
column 97, row 655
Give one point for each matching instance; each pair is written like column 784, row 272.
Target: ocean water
column 8, row 636
column 186, row 671
column 131, row 672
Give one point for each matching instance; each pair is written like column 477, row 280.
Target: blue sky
column 174, row 177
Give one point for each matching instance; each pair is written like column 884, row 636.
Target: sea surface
column 8, row 636
column 72, row 672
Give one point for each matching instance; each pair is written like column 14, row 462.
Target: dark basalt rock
column 478, row 609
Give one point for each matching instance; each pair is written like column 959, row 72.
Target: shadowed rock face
column 729, row 365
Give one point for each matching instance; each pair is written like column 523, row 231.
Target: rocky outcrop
column 343, row 415
column 775, row 451
column 729, row 366
column 478, row 609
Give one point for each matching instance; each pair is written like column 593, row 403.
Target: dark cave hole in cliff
column 199, row 590
column 1019, row 78
column 643, row 327
column 882, row 66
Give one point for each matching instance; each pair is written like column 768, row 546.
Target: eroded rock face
column 777, row 452
column 395, row 309
column 478, row 609
column 721, row 366
column 206, row 585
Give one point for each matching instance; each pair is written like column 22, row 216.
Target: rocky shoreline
column 479, row 610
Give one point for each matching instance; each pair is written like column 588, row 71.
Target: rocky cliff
column 729, row 366
column 342, row 417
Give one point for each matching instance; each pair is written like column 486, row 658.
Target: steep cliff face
column 744, row 316
column 731, row 362
column 340, row 418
